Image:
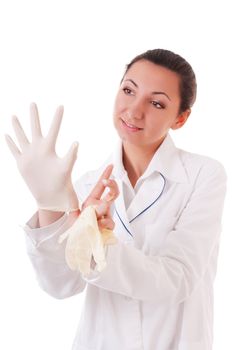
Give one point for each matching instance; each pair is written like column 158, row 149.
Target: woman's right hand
column 47, row 175
column 102, row 204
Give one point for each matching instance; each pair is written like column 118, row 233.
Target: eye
column 127, row 91
column 157, row 104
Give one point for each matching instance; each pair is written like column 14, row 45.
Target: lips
column 130, row 126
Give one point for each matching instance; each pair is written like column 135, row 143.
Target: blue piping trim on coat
column 143, row 209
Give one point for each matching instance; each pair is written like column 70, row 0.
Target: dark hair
column 177, row 64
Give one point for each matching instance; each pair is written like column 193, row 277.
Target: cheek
column 158, row 124
column 119, row 105
column 115, row 112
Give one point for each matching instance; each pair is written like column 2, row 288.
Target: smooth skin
column 146, row 107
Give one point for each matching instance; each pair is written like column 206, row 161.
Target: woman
column 156, row 291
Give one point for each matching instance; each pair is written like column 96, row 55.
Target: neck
column 136, row 159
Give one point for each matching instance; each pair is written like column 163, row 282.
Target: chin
column 132, row 142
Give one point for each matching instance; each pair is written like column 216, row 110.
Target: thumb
column 71, row 156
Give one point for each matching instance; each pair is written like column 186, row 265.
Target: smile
column 130, row 126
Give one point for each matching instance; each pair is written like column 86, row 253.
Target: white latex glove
column 47, row 175
column 92, row 230
column 85, row 240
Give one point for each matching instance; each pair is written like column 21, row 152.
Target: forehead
column 153, row 77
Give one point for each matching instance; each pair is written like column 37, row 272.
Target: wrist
column 74, row 214
column 48, row 217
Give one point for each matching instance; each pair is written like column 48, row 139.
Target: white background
column 73, row 53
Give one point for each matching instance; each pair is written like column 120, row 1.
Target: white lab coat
column 156, row 292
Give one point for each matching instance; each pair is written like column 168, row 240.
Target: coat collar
column 166, row 160
column 166, row 165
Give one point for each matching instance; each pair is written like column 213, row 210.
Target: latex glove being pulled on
column 86, row 241
column 47, row 175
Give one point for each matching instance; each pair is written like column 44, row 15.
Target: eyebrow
column 153, row 92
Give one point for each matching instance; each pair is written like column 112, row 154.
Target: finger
column 35, row 123
column 106, row 223
column 71, row 157
column 102, row 209
column 19, row 132
column 113, row 190
column 55, row 126
column 100, row 187
column 12, row 146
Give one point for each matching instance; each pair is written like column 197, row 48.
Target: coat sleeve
column 172, row 274
column 48, row 258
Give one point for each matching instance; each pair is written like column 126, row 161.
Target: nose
column 135, row 111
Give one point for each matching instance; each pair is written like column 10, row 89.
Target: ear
column 181, row 119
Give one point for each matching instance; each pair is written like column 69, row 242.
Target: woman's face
column 147, row 104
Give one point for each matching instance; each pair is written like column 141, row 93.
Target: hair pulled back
column 177, row 64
